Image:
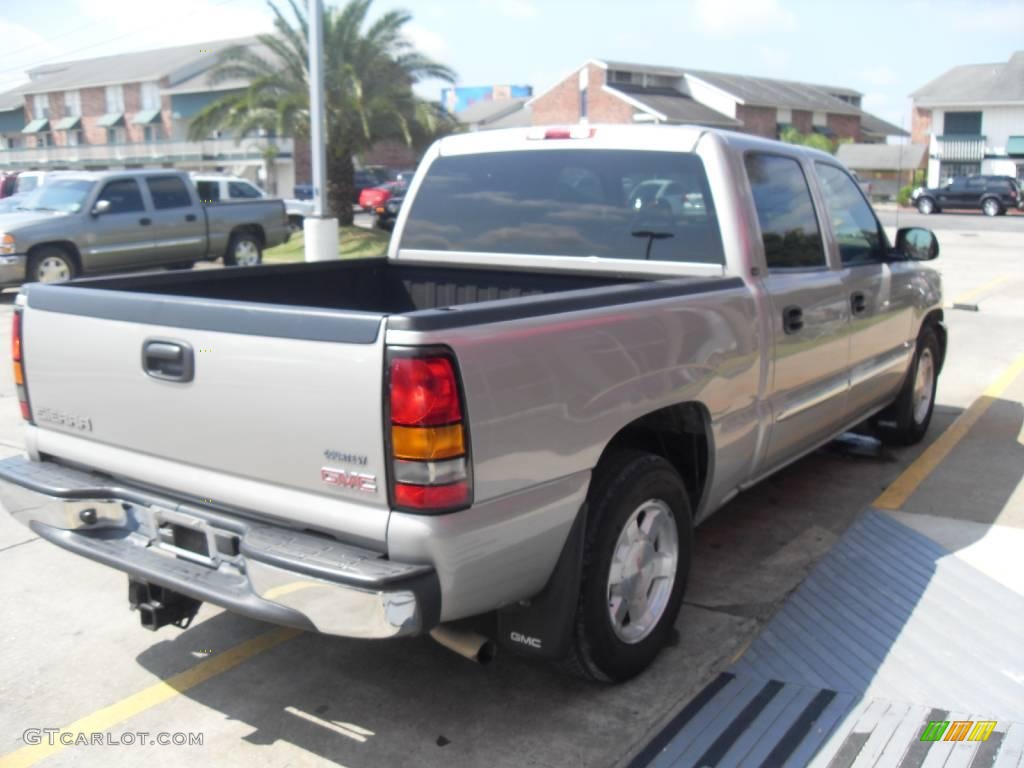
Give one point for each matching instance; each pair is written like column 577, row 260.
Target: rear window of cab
column 621, row 204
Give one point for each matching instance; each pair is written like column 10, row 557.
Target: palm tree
column 369, row 73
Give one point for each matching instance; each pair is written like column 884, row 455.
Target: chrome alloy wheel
column 53, row 270
column 643, row 571
column 990, row 207
column 247, row 254
column 924, row 385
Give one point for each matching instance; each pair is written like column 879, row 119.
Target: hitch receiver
column 159, row 606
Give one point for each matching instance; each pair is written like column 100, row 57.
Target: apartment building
column 972, row 119
column 606, row 91
column 133, row 110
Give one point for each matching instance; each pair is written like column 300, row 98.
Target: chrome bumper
column 266, row 572
column 12, row 269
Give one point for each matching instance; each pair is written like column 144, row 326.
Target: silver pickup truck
column 581, row 343
column 106, row 221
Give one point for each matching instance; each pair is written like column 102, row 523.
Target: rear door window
column 621, row 204
column 785, row 211
column 209, row 191
column 168, row 192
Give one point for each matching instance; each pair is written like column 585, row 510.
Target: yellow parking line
column 104, row 719
column 974, row 293
column 903, row 487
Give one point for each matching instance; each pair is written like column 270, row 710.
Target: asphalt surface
column 72, row 655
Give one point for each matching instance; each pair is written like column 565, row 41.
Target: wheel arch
column 936, row 321
column 65, row 245
column 681, row 434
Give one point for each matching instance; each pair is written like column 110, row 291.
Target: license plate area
column 192, row 538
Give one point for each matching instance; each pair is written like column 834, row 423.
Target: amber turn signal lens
column 427, row 443
column 19, row 377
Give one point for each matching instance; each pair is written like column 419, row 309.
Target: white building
column 972, row 119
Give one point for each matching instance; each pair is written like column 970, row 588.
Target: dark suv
column 992, row 194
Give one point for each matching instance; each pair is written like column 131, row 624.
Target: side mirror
column 917, row 243
column 101, row 207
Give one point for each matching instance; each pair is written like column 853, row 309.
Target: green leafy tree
column 369, row 73
column 791, row 135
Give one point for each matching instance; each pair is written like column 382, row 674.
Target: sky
column 885, row 49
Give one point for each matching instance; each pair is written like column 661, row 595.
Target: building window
column 962, row 124
column 41, row 106
column 619, row 76
column 150, row 97
column 948, row 171
column 72, row 104
column 583, row 104
column 115, row 135
column 75, row 138
column 115, row 98
column 152, row 132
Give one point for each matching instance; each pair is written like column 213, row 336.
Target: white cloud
column 517, row 9
column 727, row 18
column 427, row 41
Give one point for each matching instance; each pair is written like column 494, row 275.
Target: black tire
column 906, row 421
column 295, row 224
column 990, row 206
column 927, row 206
column 243, row 240
column 624, row 483
column 52, row 260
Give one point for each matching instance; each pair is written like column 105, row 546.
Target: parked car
column 29, row 180
column 217, row 188
column 92, row 222
column 506, row 429
column 387, row 214
column 8, row 184
column 992, row 195
column 303, row 191
column 372, row 198
column 363, row 180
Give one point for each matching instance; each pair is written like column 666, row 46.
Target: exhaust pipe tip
column 468, row 644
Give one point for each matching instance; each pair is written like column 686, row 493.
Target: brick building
column 972, row 120
column 134, row 110
column 603, row 91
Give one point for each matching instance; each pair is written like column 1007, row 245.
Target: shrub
column 903, row 196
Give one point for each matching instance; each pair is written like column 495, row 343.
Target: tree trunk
column 341, row 185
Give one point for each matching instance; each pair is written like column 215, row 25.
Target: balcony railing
column 228, row 150
column 959, row 148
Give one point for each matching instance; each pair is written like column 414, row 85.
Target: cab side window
column 123, row 195
column 856, row 229
column 243, row 190
column 785, row 211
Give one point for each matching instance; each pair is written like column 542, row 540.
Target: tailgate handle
column 168, row 360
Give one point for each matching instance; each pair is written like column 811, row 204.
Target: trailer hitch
column 159, row 606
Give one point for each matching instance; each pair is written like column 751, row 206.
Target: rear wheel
column 991, row 207
column 926, row 205
column 295, row 224
column 635, row 565
column 244, row 250
column 906, row 421
column 51, row 265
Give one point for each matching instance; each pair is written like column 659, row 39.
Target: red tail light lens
column 19, row 367
column 424, row 392
column 429, row 443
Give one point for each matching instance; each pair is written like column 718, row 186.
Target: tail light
column 429, row 444
column 19, row 366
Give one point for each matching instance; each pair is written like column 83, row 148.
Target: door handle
column 858, row 303
column 792, row 319
column 145, row 222
column 190, row 217
column 168, row 360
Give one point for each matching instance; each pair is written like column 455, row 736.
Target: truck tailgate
column 261, row 418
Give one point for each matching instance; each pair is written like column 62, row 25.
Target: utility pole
column 320, row 229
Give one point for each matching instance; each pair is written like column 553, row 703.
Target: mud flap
column 541, row 627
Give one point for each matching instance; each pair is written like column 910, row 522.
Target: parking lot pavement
column 74, row 657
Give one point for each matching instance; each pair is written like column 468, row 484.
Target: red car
column 372, row 198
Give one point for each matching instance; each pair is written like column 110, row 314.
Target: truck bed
column 349, row 297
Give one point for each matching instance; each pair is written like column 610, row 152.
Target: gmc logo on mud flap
column 518, row 637
column 354, row 481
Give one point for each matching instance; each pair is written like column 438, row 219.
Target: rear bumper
column 270, row 573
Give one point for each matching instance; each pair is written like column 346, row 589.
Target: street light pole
column 320, row 229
